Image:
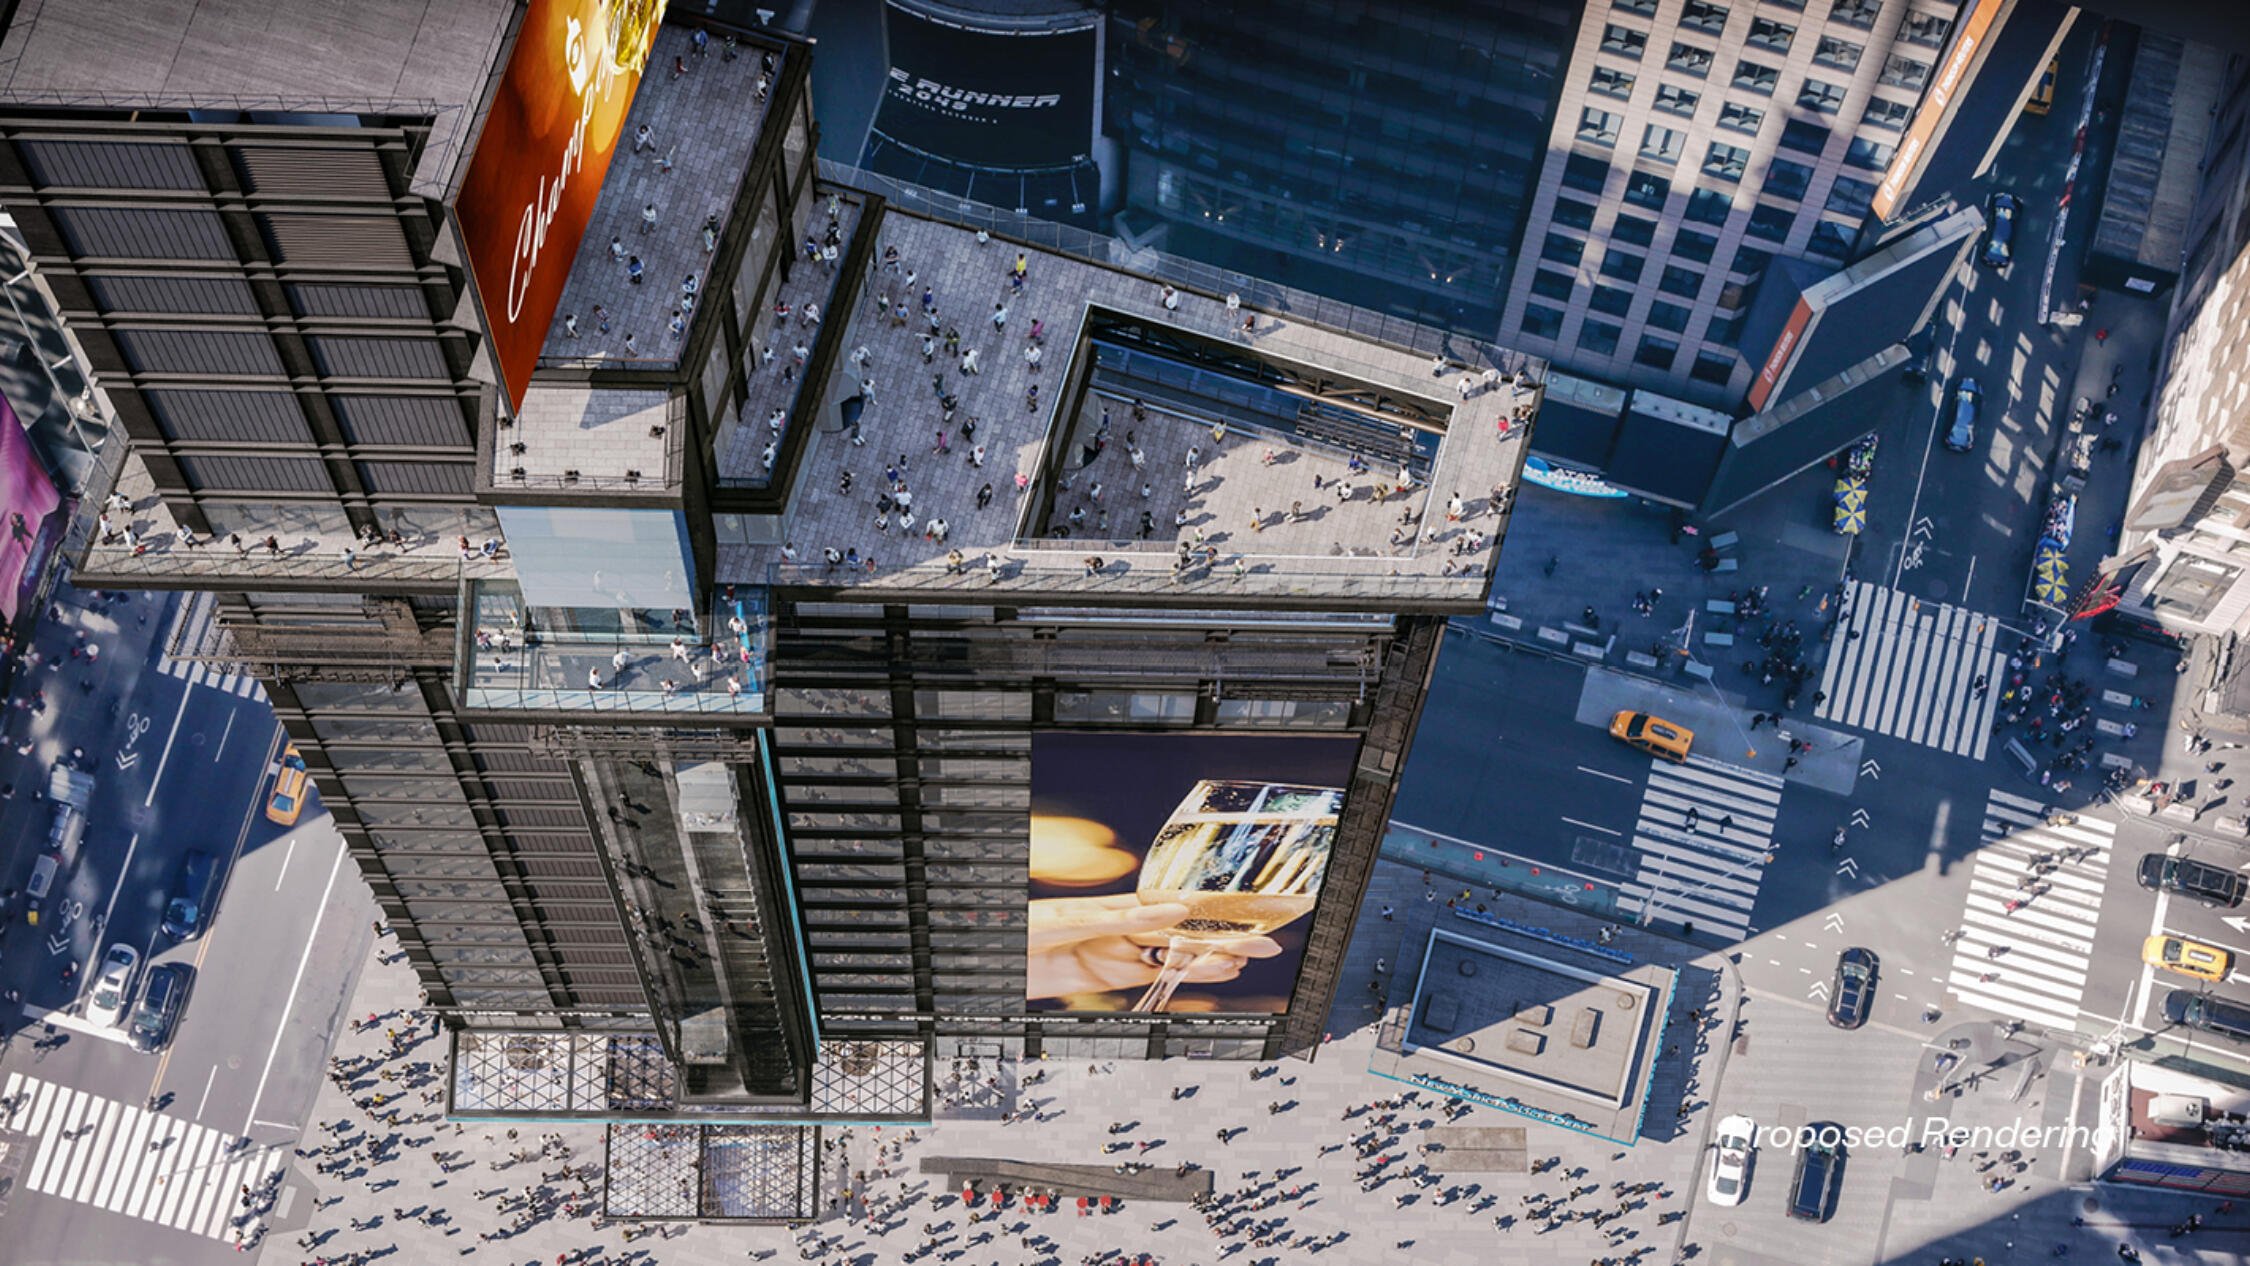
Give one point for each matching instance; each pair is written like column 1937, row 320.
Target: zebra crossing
column 195, row 625
column 1701, row 843
column 1906, row 667
column 2046, row 945
column 144, row 1165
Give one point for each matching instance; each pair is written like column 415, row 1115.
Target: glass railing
column 512, row 657
column 1150, row 572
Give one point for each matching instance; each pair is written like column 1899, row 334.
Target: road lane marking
column 1599, row 774
column 157, row 779
column 1591, row 827
column 281, row 1030
column 223, row 734
column 213, row 1076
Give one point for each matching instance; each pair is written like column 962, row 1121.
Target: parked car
column 2188, row 958
column 2209, row 1014
column 289, row 780
column 113, row 989
column 159, row 1010
column 1652, row 734
column 2212, row 885
column 1855, row 988
column 1730, row 1168
column 191, row 893
column 1962, row 435
column 2000, row 234
column 1820, row 1170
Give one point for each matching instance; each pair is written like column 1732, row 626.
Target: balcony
column 514, row 658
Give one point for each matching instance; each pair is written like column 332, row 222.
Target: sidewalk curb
column 1730, row 984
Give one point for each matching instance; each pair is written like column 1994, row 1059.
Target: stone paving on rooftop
column 704, row 124
column 903, row 439
column 772, row 365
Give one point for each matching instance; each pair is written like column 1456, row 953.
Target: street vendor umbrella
column 1850, row 486
column 1851, row 520
column 1852, row 498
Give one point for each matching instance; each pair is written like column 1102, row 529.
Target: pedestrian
column 648, row 217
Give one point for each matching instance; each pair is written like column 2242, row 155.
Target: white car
column 1730, row 1169
column 113, row 990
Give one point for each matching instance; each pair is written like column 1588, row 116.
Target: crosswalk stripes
column 124, row 1159
column 1700, row 844
column 2045, row 946
column 193, row 624
column 1907, row 667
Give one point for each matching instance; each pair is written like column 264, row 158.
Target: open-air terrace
column 1296, row 401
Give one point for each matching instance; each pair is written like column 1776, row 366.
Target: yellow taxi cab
column 288, row 799
column 2188, row 958
column 2043, row 96
column 1652, row 734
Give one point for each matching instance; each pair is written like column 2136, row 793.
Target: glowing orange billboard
column 555, row 121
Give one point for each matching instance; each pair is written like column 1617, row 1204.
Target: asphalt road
column 181, row 765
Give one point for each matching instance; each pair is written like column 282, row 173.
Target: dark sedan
column 1855, row 988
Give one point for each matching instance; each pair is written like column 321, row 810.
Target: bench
column 2113, row 760
column 1536, row 1014
column 2111, row 728
column 1727, row 565
column 1512, row 623
column 2119, row 699
column 1584, row 1028
column 1638, row 660
column 1726, row 540
column 1713, row 637
column 1697, row 668
column 1557, row 636
column 1718, row 606
column 1526, row 1042
column 1589, row 650
column 2123, row 667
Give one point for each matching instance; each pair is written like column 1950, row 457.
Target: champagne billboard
column 529, row 193
column 1177, row 873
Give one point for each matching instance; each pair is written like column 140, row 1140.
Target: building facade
column 1695, row 142
column 697, row 713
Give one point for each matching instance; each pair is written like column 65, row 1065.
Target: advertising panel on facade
column 1003, row 99
column 1177, row 872
column 28, row 499
column 529, row 193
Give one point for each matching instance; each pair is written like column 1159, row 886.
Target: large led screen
column 27, row 499
column 530, row 190
column 996, row 98
column 1177, row 873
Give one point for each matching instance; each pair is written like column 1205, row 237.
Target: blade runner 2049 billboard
column 530, row 190
column 1177, row 872
column 997, row 98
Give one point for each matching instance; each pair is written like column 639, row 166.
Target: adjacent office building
column 750, row 637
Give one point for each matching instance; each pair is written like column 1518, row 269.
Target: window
column 1551, row 285
column 1683, row 282
column 1900, row 71
column 1890, row 114
column 1611, row 300
column 1689, row 60
column 1670, row 317
column 1633, row 230
column 1655, row 352
column 1712, row 367
column 1871, row 155
column 1541, row 321
column 1647, row 190
column 1674, row 100
column 1599, row 338
column 1831, row 239
column 1851, row 197
column 1859, row 13
column 1768, row 221
column 1573, row 214
column 1563, row 250
column 1709, row 206
column 1726, row 333
column 1623, row 41
column 1785, row 179
column 1927, row 29
column 1611, row 83
column 1750, row 261
column 1824, row 97
column 1625, row 266
column 1586, row 173
column 1756, row 78
column 1598, row 126
column 1661, row 143
column 1732, row 296
column 1804, row 136
column 1842, row 54
column 1646, row 8
column 1741, row 118
column 1704, row 16
column 1770, row 35
column 1695, row 247
column 1726, row 161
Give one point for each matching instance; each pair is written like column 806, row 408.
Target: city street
column 126, row 1156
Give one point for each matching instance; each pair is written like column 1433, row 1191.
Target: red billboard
column 555, row 121
column 27, row 498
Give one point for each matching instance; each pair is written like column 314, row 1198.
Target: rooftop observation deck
column 703, row 126
column 1297, row 402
